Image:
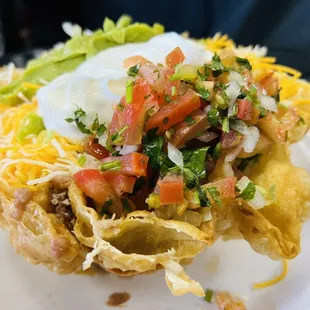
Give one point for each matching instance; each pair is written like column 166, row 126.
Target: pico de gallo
column 183, row 137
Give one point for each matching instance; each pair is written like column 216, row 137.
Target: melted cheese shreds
column 275, row 280
column 39, row 158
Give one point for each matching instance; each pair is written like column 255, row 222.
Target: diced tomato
column 171, row 190
column 270, row 84
column 226, row 187
column 175, row 112
column 119, row 182
column 175, row 57
column 95, row 149
column 230, row 139
column 134, row 60
column 134, row 164
column 130, row 116
column 244, row 109
column 94, row 185
column 185, row 132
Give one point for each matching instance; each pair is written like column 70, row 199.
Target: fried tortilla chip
column 41, row 237
column 140, row 243
column 273, row 230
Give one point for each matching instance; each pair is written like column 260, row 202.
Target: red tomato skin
column 175, row 57
column 226, row 187
column 133, row 164
column 244, row 110
column 132, row 114
column 94, row 185
column 173, row 113
column 120, row 183
column 171, row 190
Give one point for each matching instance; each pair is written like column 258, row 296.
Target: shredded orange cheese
column 36, row 158
column 275, row 280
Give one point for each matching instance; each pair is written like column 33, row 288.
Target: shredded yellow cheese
column 36, row 160
column 275, row 280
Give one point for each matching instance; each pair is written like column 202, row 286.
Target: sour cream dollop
column 99, row 83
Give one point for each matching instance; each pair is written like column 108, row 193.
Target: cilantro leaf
column 215, row 195
column 204, row 201
column 244, row 62
column 216, row 66
column 133, row 71
column 152, row 147
column 248, row 161
column 204, row 93
column 189, row 120
column 249, row 192
column 195, row 160
column 213, row 116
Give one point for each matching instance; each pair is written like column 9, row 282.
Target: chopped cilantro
column 189, row 120
column 190, row 177
column 250, row 160
column 96, row 127
column 204, row 93
column 195, row 160
column 249, row 192
column 133, row 71
column 208, row 295
column 165, row 120
column 244, row 62
column 225, row 125
column 213, row 116
column 203, row 76
column 147, row 96
column 215, row 195
column 152, row 147
column 216, row 66
column 120, row 107
column 167, row 98
column 204, row 201
column 217, row 151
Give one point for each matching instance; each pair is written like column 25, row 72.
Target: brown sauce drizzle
column 117, row 299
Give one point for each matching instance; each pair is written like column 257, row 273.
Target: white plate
column 231, row 266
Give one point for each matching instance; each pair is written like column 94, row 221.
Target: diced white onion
column 91, row 162
column 235, row 76
column 258, row 200
column 251, row 135
column 206, row 214
column 243, row 183
column 127, row 149
column 268, row 103
column 228, row 171
column 207, row 136
column 251, row 139
column 232, row 92
column 231, row 156
column 175, row 155
column 239, row 126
